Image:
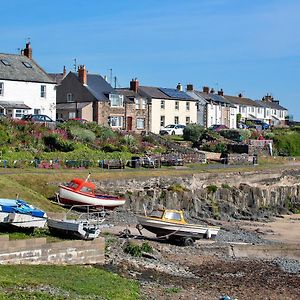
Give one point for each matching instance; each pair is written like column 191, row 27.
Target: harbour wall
column 37, row 251
column 225, row 195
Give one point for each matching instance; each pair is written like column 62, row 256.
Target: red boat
column 82, row 192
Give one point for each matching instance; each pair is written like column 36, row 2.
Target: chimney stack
column 179, row 87
column 82, row 74
column 28, row 51
column 64, row 72
column 212, row 91
column 189, row 87
column 134, row 85
column 221, row 93
column 206, row 89
column 240, row 95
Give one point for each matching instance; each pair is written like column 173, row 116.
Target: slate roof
column 12, row 68
column 161, row 93
column 127, row 92
column 97, row 86
column 57, row 77
column 272, row 105
column 14, row 105
column 214, row 98
column 241, row 101
column 71, row 105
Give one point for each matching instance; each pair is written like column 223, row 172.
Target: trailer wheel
column 188, row 241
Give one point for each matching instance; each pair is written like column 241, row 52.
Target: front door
column 129, row 123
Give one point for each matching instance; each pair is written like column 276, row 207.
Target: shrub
column 287, row 142
column 54, row 142
column 193, row 132
column 212, row 188
column 226, row 186
column 81, row 134
column 178, row 188
column 136, row 250
column 128, row 139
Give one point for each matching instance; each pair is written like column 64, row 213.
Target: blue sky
column 247, row 46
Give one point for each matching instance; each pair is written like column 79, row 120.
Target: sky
column 242, row 46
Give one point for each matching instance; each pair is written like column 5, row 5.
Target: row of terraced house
column 26, row 88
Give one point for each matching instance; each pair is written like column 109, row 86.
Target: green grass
column 64, row 282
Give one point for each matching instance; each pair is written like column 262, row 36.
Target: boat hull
column 73, row 228
column 173, row 230
column 70, row 197
column 22, row 220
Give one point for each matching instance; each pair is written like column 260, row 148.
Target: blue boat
column 19, row 213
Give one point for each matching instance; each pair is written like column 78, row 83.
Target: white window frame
column 140, row 123
column 72, row 114
column 137, row 103
column 176, row 120
column 187, row 120
column 162, row 104
column 1, row 88
column 70, row 97
column 176, row 105
column 162, row 121
column 143, row 103
column 116, row 121
column 43, row 91
column 187, row 105
column 116, row 100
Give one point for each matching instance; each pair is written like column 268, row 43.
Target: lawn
column 64, row 282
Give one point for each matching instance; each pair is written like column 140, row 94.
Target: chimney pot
column 221, row 93
column 82, row 74
column 28, row 51
column 240, row 95
column 134, row 85
column 64, row 72
column 212, row 91
column 179, row 87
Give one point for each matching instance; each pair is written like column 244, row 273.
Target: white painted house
column 25, row 88
column 168, row 106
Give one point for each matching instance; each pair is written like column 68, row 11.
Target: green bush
column 54, row 142
column 212, row 188
column 237, row 135
column 82, row 134
column 287, row 142
column 128, row 139
column 193, row 132
column 136, row 250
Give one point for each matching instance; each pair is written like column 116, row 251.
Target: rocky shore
column 206, row 270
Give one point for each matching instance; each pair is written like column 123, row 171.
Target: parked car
column 242, row 125
column 261, row 123
column 172, row 129
column 218, row 127
column 37, row 118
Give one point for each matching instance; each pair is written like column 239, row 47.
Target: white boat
column 82, row 192
column 86, row 226
column 170, row 224
column 18, row 213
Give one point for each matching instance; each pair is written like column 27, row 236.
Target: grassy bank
column 64, row 282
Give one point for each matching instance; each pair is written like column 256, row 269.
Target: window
column 176, row 105
column 1, row 88
column 162, row 104
column 72, row 115
column 27, row 65
column 116, row 121
column 137, row 103
column 5, row 62
column 19, row 113
column 43, row 91
column 162, row 121
column 187, row 120
column 140, row 123
column 144, row 104
column 116, row 100
column 187, row 105
column 36, row 111
column 252, row 109
column 70, row 97
column 176, row 120
column 173, row 215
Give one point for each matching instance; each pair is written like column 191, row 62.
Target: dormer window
column 27, row 64
column 116, row 100
column 70, row 97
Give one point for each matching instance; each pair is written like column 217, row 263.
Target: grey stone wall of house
column 38, row 251
column 249, row 195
